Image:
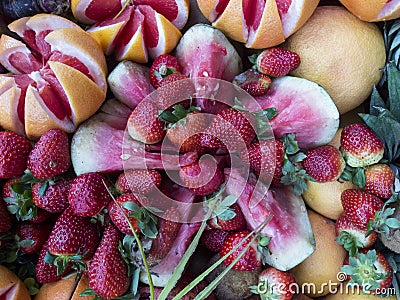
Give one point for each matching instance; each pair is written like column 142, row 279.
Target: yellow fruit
column 314, row 274
column 11, row 287
column 62, row 289
column 341, row 53
column 373, row 10
column 335, row 142
column 324, row 197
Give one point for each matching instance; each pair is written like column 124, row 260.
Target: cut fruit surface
column 292, row 239
column 59, row 76
column 92, row 11
column 204, row 51
column 373, row 11
column 304, row 108
column 259, row 23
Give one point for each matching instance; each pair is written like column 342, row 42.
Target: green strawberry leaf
column 253, row 58
column 43, row 188
column 227, row 214
column 87, row 293
column 393, row 79
column 291, row 145
column 132, row 206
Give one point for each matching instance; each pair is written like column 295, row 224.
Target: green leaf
column 393, row 223
column 26, row 243
column 393, row 79
column 227, row 215
column 135, row 281
column 298, row 157
column 43, row 188
column 132, row 206
column 87, row 293
column 167, row 117
column 290, row 143
column 253, row 58
column 359, row 177
column 229, row 200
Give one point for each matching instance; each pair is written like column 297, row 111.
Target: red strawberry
column 360, row 207
column 213, row 239
column 52, row 197
column 250, row 261
column 370, row 270
column 238, row 222
column 184, row 128
column 324, row 163
column 168, row 230
column 108, row 272
column 360, row 145
column 46, row 272
column 253, row 82
column 144, row 124
column 231, row 129
column 32, row 236
column 275, row 284
column 14, row 152
column 202, row 177
column 163, row 66
column 266, row 158
column 173, row 90
column 5, row 217
column 50, row 155
column 277, row 62
column 136, row 213
column 72, row 236
column 353, row 237
column 88, row 194
column 138, row 181
column 379, row 179
column 40, row 216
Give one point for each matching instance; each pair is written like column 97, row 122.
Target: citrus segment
column 9, row 119
column 92, row 11
column 176, row 11
column 296, row 15
column 230, row 21
column 208, row 8
column 390, row 11
column 259, row 36
column 365, row 10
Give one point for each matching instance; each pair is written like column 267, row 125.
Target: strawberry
column 138, row 181
column 227, row 221
column 108, row 272
column 379, row 179
column 5, row 217
column 360, row 146
column 277, row 62
column 250, row 261
column 202, row 177
column 88, row 194
column 52, row 197
column 324, row 163
column 47, row 272
column 360, row 207
column 275, row 284
column 266, row 158
column 139, row 217
column 50, row 156
column 72, row 239
column 231, row 129
column 370, row 270
column 32, row 236
column 40, row 216
column 353, row 237
column 184, row 127
column 213, row 239
column 163, row 66
column 253, row 82
column 14, row 152
column 175, row 90
column 168, row 230
column 144, row 124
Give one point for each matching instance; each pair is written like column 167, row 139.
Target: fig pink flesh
column 283, row 6
column 150, row 26
column 168, row 8
column 101, row 9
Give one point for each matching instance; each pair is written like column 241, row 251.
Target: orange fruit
column 373, row 10
column 269, row 27
column 341, row 53
column 11, row 287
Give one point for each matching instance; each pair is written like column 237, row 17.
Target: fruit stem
column 122, row 9
column 139, row 243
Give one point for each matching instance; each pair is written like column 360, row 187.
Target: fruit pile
column 141, row 162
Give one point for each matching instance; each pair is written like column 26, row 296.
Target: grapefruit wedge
column 304, row 108
column 258, row 23
column 59, row 76
column 373, row 11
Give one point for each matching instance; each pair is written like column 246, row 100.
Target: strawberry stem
column 139, row 243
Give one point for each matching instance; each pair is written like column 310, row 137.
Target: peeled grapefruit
column 141, row 29
column 11, row 287
column 258, row 24
column 59, row 76
column 341, row 53
column 373, row 11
